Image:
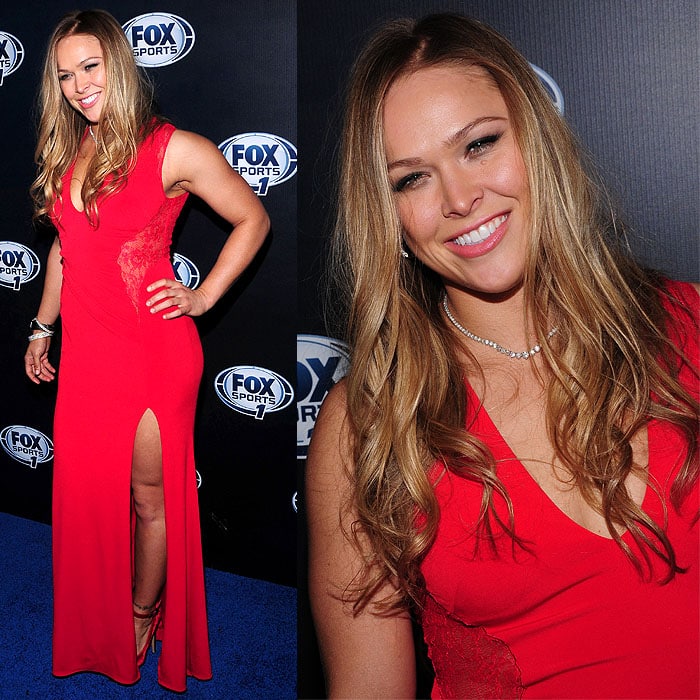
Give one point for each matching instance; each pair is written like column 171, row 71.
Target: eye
column 408, row 181
column 479, row 146
column 64, row 76
column 90, row 66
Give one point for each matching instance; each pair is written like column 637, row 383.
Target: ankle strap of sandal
column 152, row 610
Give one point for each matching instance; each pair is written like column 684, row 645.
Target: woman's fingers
column 36, row 364
column 175, row 298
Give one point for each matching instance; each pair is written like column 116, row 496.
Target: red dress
column 568, row 617
column 117, row 361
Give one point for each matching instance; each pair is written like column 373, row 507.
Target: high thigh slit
column 149, row 532
column 117, row 362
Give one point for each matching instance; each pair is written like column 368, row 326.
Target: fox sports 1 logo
column 263, row 160
column 321, row 362
column 26, row 445
column 159, row 38
column 550, row 85
column 18, row 265
column 11, row 54
column 253, row 391
column 186, row 272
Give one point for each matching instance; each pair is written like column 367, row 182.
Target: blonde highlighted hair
column 405, row 388
column 126, row 118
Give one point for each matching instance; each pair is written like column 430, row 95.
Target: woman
column 113, row 178
column 513, row 454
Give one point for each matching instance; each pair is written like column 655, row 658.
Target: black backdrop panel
column 238, row 77
column 630, row 91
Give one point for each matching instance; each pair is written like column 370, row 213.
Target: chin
column 494, row 290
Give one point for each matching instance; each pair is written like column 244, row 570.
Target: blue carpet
column 252, row 629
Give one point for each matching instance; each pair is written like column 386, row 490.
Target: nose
column 82, row 82
column 460, row 193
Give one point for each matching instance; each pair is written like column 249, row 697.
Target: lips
column 480, row 234
column 90, row 100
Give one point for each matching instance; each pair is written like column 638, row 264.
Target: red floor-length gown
column 117, row 361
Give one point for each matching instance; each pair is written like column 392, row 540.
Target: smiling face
column 81, row 74
column 458, row 177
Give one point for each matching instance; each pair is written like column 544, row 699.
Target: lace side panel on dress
column 468, row 662
column 150, row 245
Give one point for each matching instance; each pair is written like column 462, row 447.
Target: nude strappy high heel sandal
column 153, row 614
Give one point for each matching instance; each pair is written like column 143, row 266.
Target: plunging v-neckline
column 484, row 421
column 70, row 173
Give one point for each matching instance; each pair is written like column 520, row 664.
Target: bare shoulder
column 334, row 407
column 696, row 286
column 329, row 480
column 329, row 449
column 192, row 162
column 187, row 144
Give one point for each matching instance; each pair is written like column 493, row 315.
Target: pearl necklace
column 524, row 355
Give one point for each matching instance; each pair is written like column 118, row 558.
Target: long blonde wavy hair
column 126, row 118
column 405, row 388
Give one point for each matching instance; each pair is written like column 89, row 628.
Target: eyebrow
column 449, row 142
column 85, row 60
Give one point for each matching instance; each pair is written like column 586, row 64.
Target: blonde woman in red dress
column 112, row 178
column 513, row 456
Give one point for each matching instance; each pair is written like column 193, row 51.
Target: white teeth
column 88, row 100
column 481, row 233
column 464, row 239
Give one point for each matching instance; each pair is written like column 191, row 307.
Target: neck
column 501, row 318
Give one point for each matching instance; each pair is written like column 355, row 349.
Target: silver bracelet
column 42, row 334
column 37, row 325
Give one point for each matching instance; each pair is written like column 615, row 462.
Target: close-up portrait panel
column 497, row 358
column 148, row 302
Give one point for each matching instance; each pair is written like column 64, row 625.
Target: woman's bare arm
column 365, row 655
column 36, row 360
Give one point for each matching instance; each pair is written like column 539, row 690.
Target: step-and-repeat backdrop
column 624, row 74
column 225, row 69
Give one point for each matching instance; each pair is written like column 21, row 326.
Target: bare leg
column 149, row 537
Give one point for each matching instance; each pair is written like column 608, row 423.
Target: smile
column 89, row 101
column 480, row 234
